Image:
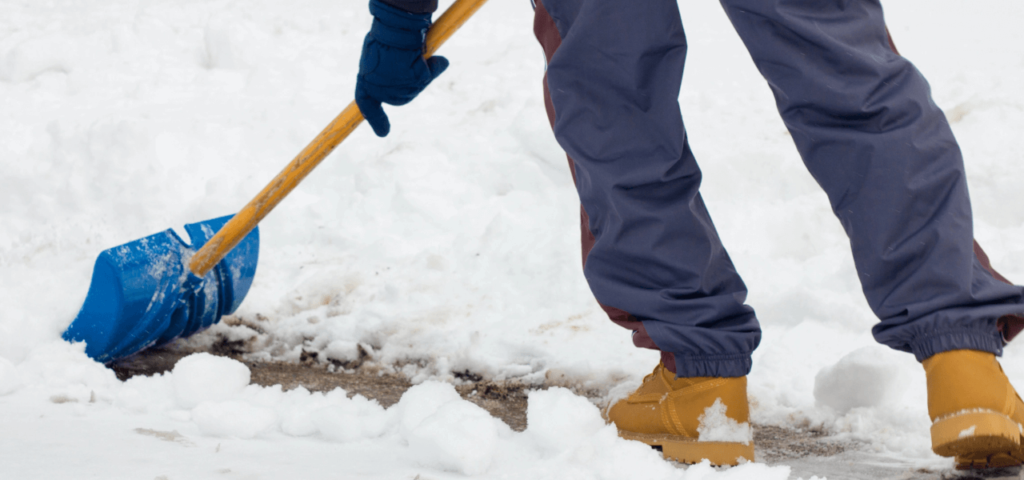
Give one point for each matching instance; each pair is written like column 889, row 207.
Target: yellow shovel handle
column 314, row 153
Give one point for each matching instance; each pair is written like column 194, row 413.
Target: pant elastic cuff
column 959, row 339
column 712, row 365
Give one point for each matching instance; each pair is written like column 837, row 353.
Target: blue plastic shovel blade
column 238, row 267
column 142, row 293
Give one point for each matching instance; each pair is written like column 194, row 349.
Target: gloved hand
column 392, row 69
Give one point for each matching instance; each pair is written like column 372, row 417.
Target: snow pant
column 864, row 123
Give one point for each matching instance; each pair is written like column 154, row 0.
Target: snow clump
column 459, row 437
column 866, row 377
column 715, row 426
column 352, row 419
column 557, row 420
column 202, row 377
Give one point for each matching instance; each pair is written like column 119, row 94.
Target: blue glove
column 392, row 69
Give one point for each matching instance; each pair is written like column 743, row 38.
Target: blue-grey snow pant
column 864, row 122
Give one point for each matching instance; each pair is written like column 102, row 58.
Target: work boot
column 976, row 414
column 689, row 419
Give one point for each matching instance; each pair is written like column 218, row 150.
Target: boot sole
column 689, row 450
column 996, row 461
column 980, row 439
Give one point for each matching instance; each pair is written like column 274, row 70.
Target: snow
column 557, row 419
column 450, row 246
column 459, row 436
column 9, row 378
column 233, row 419
column 715, row 426
column 431, row 429
column 863, row 378
column 205, row 378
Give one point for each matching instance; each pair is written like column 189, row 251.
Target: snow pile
column 430, row 428
column 715, row 426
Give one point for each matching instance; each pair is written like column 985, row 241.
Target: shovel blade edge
column 142, row 293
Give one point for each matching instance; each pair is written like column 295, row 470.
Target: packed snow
column 450, row 246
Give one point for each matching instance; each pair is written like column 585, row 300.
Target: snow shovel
column 152, row 290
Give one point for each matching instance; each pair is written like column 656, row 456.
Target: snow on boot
column 690, row 419
column 976, row 414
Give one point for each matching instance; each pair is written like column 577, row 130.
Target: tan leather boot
column 976, row 414
column 690, row 419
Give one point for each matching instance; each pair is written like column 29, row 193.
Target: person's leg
column 1008, row 325
column 864, row 122
column 546, row 31
column 650, row 249
column 614, row 83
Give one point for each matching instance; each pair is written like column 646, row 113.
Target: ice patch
column 715, row 426
column 968, row 432
column 202, row 377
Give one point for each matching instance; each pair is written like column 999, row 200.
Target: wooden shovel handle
column 314, row 153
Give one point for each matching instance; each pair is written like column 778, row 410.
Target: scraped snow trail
column 450, row 246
